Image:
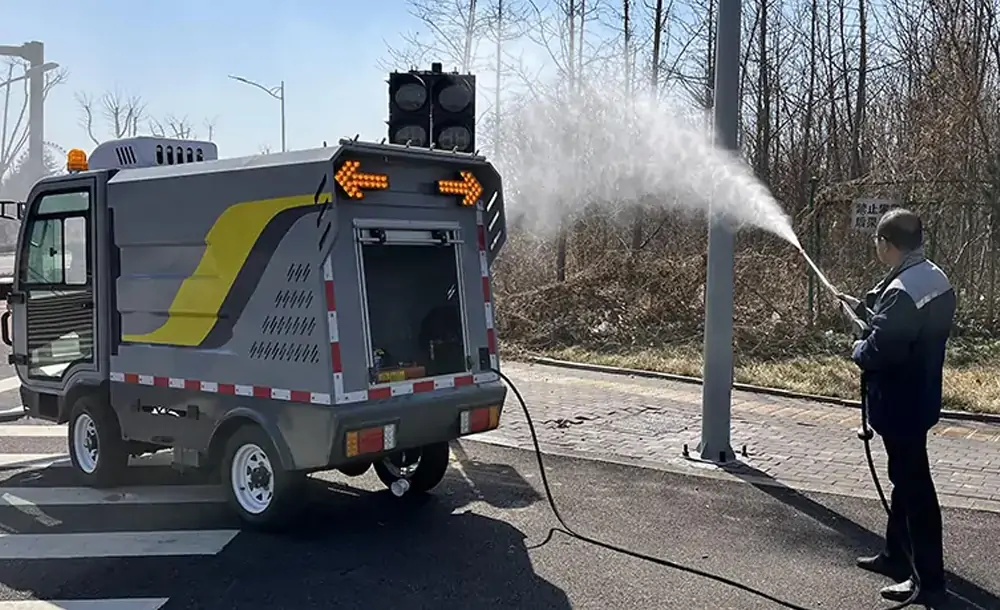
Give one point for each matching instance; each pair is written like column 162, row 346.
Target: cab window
column 56, row 249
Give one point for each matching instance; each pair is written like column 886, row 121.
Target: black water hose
column 568, row 530
column 866, row 434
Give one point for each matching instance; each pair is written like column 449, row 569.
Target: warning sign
column 867, row 212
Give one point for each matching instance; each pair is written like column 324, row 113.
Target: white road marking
column 456, row 462
column 36, row 431
column 12, row 412
column 8, row 384
column 138, row 603
column 29, row 508
column 61, row 460
column 83, row 496
column 113, row 544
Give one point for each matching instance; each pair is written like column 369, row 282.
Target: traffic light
column 454, row 112
column 431, row 106
column 409, row 109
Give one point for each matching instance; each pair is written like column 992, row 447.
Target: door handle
column 4, row 330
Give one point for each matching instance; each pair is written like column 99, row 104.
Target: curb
column 985, row 418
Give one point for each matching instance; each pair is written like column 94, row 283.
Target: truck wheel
column 263, row 493
column 96, row 449
column 422, row 468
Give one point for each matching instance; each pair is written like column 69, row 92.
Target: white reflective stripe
column 930, row 297
column 327, row 270
column 331, row 324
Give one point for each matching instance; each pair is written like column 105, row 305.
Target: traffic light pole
column 717, row 388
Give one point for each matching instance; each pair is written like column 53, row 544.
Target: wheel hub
column 86, row 445
column 252, row 479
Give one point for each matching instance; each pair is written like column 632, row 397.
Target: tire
column 429, row 471
column 96, row 449
column 272, row 508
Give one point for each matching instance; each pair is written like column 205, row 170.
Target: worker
column 909, row 316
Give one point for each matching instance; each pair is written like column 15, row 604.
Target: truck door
column 52, row 304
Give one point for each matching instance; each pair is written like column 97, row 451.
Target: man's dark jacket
column 911, row 313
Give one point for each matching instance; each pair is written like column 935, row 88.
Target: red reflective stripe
column 481, row 235
column 338, row 366
column 423, row 386
column 463, row 380
column 301, row 396
column 491, row 340
column 487, row 296
column 331, row 301
column 261, row 392
column 161, row 382
column 131, row 378
column 192, row 384
column 379, row 393
column 227, row 388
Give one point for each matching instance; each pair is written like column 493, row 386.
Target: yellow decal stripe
column 195, row 308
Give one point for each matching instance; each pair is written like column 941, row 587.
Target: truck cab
column 267, row 316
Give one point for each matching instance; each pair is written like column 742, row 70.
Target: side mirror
column 11, row 210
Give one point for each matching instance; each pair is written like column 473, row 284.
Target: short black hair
column 901, row 228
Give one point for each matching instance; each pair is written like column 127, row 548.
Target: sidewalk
column 800, row 444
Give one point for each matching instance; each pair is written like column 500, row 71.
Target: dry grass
column 972, row 376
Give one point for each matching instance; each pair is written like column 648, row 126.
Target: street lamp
column 277, row 93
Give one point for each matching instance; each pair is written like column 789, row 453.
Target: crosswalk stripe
column 35, row 431
column 138, row 603
column 84, row 496
column 114, row 544
column 61, row 460
column 9, row 383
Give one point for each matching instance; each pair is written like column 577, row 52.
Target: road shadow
column 349, row 548
column 364, row 549
column 965, row 594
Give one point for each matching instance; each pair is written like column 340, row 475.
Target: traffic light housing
column 409, row 109
column 433, row 107
column 454, row 112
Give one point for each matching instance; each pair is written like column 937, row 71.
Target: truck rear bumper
column 328, row 437
column 412, row 421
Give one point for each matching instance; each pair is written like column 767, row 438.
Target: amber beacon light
column 354, row 182
column 468, row 188
column 76, row 160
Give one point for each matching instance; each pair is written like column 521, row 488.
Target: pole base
column 714, row 454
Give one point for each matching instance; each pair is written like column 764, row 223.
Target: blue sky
column 177, row 54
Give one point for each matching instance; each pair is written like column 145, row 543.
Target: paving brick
column 800, row 443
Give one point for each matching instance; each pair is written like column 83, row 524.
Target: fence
column 961, row 234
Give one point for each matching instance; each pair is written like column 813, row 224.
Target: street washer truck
column 269, row 316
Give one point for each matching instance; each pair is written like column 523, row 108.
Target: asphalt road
column 478, row 542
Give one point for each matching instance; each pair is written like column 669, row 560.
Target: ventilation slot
column 126, row 155
column 293, row 299
column 287, row 351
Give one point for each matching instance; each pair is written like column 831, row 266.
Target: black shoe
column 901, row 592
column 886, row 566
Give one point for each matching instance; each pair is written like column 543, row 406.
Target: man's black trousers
column 916, row 514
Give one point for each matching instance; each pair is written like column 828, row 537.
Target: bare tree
column 116, row 114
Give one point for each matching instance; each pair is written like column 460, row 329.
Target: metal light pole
column 277, row 93
column 717, row 390
column 34, row 53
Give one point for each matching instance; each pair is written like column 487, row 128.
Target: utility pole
column 717, row 388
